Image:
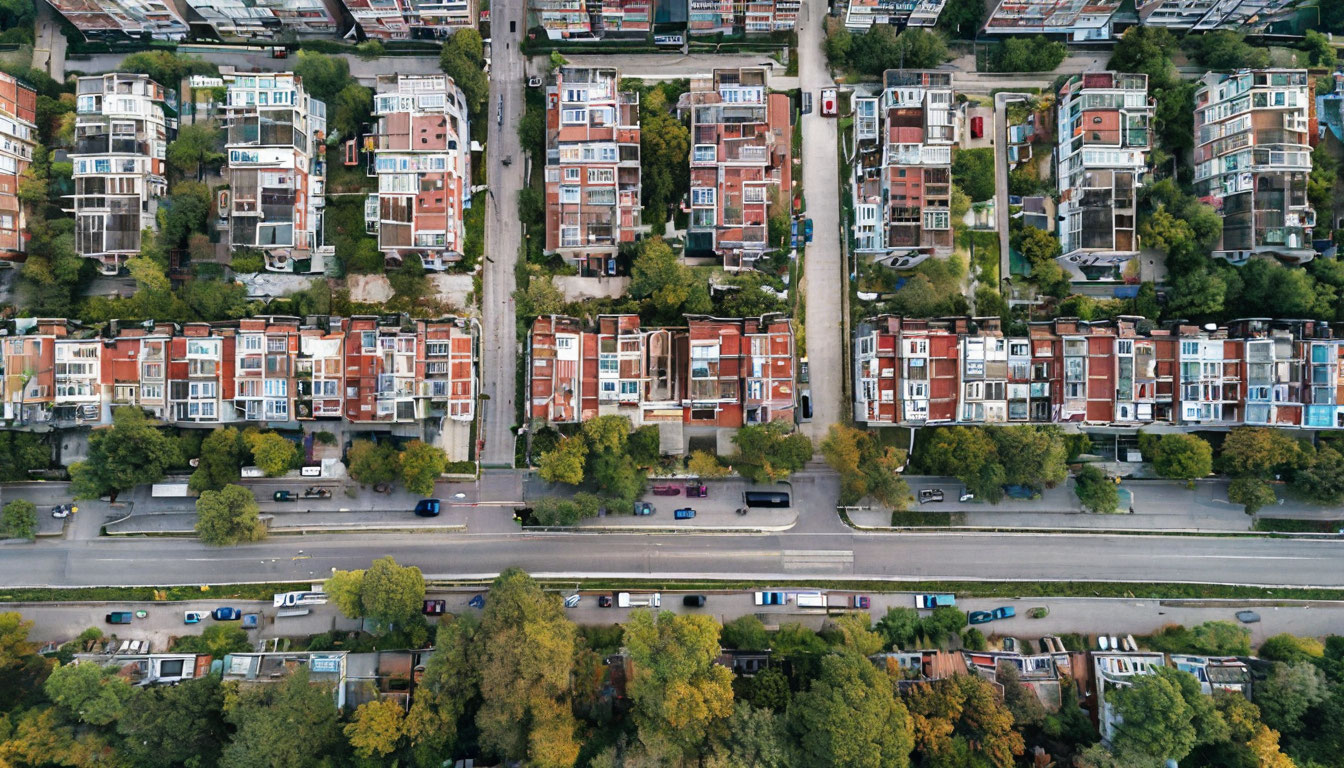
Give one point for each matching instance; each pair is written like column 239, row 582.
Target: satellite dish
column 1210, row 326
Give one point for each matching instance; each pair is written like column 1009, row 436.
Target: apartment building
column 1118, row 670
column 861, row 15
column 592, row 166
column 902, row 185
column 1205, row 15
column 119, row 20
column 411, row 19
column 1075, row 20
column 238, row 20
column 422, row 159
column 18, row 137
column 1101, row 162
column 741, row 164
column 123, row 124
column 1253, row 135
column 713, row 372
column 275, row 371
column 713, row 17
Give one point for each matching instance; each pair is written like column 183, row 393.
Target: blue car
column 685, row 513
column 477, row 601
column 427, row 508
column 226, row 614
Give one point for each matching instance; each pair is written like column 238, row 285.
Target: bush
column 974, row 640
column 1214, row 638
column 18, row 520
column 1027, row 54
column 973, row 171
column 325, row 438
column 247, row 261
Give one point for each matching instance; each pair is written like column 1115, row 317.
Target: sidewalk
column 183, row 524
column 716, row 511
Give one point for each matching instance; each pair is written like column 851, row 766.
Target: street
column 824, row 273
column 503, row 238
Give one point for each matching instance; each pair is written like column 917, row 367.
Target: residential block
column 718, row 372
column 902, row 185
column 1253, row 135
column 592, row 165
column 741, row 164
column 1206, row 15
column 1104, row 134
column 713, row 17
column 123, row 123
column 276, row 169
column 1075, row 20
column 422, row 159
column 411, row 19
column 861, row 15
column 18, row 138
column 1120, row 373
column 120, row 20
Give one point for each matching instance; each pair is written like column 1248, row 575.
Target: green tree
column 959, row 717
column 21, row 669
column 133, row 452
column 962, row 18
column 352, row 108
column 644, row 446
column 271, row 452
column 1182, row 457
column 373, row 463
column 218, row 640
column 346, row 590
column 664, row 146
column 973, row 171
column 706, row 465
column 421, row 465
column 449, row 682
column 228, row 516
column 1252, row 493
column 865, row 468
column 769, row 452
column 1021, row 701
column 669, row 286
column 18, row 520
column 881, row 48
column 1226, row 49
column 180, row 214
column 745, row 633
column 20, row 453
column 1031, row 455
column 220, row 461
column 752, row 736
column 1163, row 716
column 1027, row 54
column 849, row 716
column 680, row 695
column 1097, row 492
column 376, row 728
column 1291, row 649
column 770, row 690
column 163, row 726
column 856, row 634
column 525, row 657
column 1321, row 480
column 1258, row 452
column 293, row 723
column 1321, row 181
column 194, row 147
column 391, row 594
column 839, row 43
column 323, row 76
column 942, row 621
column 1289, row 691
column 463, row 59
column 88, row 692
column 899, row 626
column 1320, row 53
column 166, row 68
column 565, row 463
column 1145, row 50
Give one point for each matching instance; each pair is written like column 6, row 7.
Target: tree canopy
column 134, row 451
column 228, row 516
column 850, row 716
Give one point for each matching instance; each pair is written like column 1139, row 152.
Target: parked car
column 805, row 406
column 977, row 127
column 927, row 495
column 251, row 620
column 285, row 496
column 1248, row 617
column 979, row 617
column 828, row 102
column 427, row 508
column 685, row 513
column 279, row 52
column 572, row 601
column 226, row 614
column 534, row 82
column 604, row 601
column 930, row 602
column 807, row 230
column 803, row 371
column 1019, row 492
column 771, row 598
column 61, row 511
column 193, row 617
column 434, row 607
column 666, row 490
column 314, row 492
column 696, row 490
column 693, row 601
column 966, row 496
column 861, row 601
column 643, row 508
column 477, row 601
column 1004, row 612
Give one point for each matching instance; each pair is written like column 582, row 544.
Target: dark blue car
column 226, row 614
column 427, row 508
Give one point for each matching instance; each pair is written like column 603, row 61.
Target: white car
column 572, row 601
column 63, row 510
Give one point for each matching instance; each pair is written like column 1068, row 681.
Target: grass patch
column 915, row 518
column 1285, row 525
column 144, row 594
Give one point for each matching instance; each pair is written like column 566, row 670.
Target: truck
column 934, row 601
column 810, row 600
column 293, row 599
column 170, row 490
column 626, row 600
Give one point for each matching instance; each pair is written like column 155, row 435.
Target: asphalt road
column 366, row 71
column 503, row 236
column 807, row 551
column 823, row 272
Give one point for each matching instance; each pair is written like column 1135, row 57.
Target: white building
column 860, row 15
column 1206, row 15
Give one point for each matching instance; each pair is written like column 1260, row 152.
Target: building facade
column 276, row 169
column 592, row 166
column 1118, row 373
column 272, row 371
column 741, row 164
column 411, row 19
column 713, row 372
column 18, row 138
column 123, row 124
column 1253, row 135
column 902, row 185
column 860, row 15
column 1075, row 20
column 1206, row 15
column 119, row 20
column 1101, row 160
column 422, row 159
column 755, row 17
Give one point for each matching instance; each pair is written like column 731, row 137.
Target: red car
column 666, row 490
column 435, row 607
column 977, row 127
column 696, row 490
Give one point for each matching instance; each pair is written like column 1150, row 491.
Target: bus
column 776, row 499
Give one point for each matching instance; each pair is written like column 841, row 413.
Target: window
column 252, row 343
column 601, row 176
column 1190, row 348
column 569, row 194
column 704, row 153
column 573, row 116
column 629, row 387
column 564, row 342
column 436, row 348
column 703, row 195
column 276, row 387
column 573, row 174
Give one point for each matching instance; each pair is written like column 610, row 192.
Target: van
column 120, row 617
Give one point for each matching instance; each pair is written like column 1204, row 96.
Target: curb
column 300, row 531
